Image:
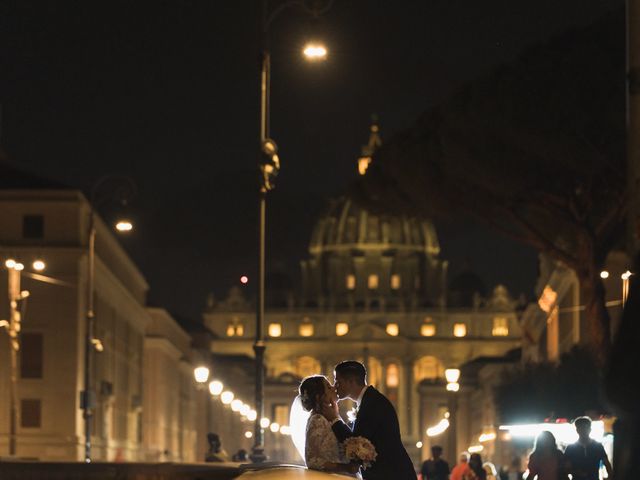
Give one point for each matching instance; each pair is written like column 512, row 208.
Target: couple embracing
column 320, row 435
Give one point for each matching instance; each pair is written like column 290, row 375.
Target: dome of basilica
column 360, row 259
column 347, row 226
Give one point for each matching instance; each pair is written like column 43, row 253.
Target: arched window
column 393, row 376
column 427, row 368
column 350, row 282
column 306, row 366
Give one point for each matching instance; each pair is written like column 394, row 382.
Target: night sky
column 167, row 93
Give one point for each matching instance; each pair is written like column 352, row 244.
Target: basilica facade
column 375, row 288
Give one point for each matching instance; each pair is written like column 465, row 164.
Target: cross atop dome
column 369, row 149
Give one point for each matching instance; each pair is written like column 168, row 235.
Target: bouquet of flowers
column 360, row 450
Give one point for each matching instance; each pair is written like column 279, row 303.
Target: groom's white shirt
column 359, row 399
column 358, row 402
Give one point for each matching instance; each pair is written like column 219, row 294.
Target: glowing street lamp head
column 236, row 405
column 215, row 387
column 19, row 267
column 201, row 374
column 265, row 422
column 39, row 265
column 315, row 52
column 226, row 397
column 10, row 263
column 252, row 415
column 452, row 375
column 124, row 225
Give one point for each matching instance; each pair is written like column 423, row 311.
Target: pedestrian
column 476, row 470
column 490, row 469
column 461, row 468
column 240, row 456
column 546, row 461
column 586, row 455
column 435, row 468
column 216, row 453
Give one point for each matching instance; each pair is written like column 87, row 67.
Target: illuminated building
column 373, row 288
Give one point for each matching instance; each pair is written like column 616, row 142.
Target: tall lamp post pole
column 87, row 396
column 269, row 167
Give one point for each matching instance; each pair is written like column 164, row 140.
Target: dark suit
column 378, row 422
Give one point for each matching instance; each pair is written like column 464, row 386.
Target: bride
column 311, row 431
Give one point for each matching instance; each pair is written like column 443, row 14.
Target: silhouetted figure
column 622, row 390
column 584, row 456
column 240, row 456
column 435, row 468
column 476, row 470
column 546, row 461
column 216, row 453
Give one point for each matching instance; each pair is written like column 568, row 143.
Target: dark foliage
column 536, row 150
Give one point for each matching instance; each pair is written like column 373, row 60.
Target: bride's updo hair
column 310, row 389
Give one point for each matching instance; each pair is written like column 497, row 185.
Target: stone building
column 148, row 406
column 374, row 288
column 40, row 220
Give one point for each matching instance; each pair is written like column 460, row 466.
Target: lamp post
column 126, row 189
column 13, row 326
column 269, row 167
column 452, row 375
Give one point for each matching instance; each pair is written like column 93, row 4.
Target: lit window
column 500, row 327
column 392, row 329
column 351, row 282
column 459, row 330
column 306, row 329
column 428, row 328
column 275, row 329
column 548, row 299
column 235, row 330
column 373, row 282
column 395, row 281
column 342, row 329
column 231, row 330
column 363, row 164
column 393, row 376
column 427, row 368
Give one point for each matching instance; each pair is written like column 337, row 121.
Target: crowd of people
column 582, row 460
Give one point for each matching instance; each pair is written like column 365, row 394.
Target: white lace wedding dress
column 322, row 446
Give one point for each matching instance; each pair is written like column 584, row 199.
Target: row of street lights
column 227, row 397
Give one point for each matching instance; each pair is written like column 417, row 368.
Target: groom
column 376, row 420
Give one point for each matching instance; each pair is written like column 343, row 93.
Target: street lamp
column 201, row 374
column 453, row 376
column 269, row 167
column 13, row 326
column 124, row 190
